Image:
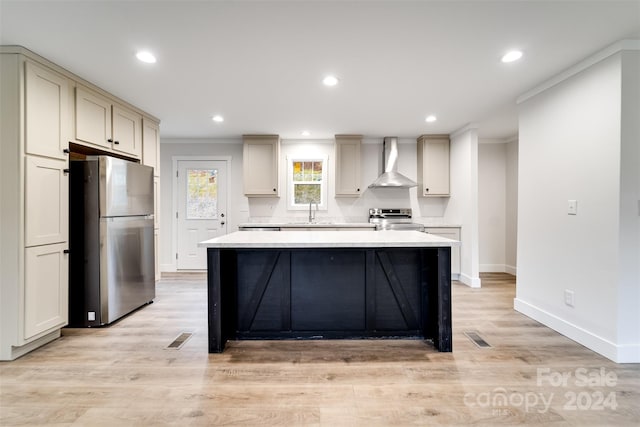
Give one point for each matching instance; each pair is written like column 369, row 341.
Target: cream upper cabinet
column 126, row 131
column 151, row 145
column 46, row 201
column 347, row 151
column 93, row 118
column 46, row 289
column 433, row 165
column 102, row 123
column 260, row 160
column 47, row 112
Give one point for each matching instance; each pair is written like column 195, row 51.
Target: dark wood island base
column 326, row 293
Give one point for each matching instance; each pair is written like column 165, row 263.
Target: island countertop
column 328, row 239
column 303, row 224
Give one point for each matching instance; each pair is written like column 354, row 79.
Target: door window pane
column 202, row 194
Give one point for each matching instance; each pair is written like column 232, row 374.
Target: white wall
column 462, row 206
column 498, row 205
column 511, row 202
column 492, row 169
column 629, row 290
column 570, row 149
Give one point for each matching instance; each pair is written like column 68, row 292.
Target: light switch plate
column 572, row 207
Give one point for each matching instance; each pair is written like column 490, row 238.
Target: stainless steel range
column 393, row 219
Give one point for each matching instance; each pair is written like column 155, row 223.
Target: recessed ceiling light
column 514, row 55
column 305, row 133
column 330, row 81
column 431, row 119
column 146, row 56
column 217, row 119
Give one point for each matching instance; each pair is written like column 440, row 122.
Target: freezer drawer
column 127, row 276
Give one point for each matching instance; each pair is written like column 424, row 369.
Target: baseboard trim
column 492, row 268
column 472, row 282
column 17, row 352
column 629, row 353
column 616, row 353
column 168, row 268
column 510, row 269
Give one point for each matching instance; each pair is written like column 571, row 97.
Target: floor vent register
column 179, row 341
column 477, row 339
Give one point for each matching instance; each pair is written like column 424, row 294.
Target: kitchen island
column 333, row 284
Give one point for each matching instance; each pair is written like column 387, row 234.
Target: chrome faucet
column 312, row 214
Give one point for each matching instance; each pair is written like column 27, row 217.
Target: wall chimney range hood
column 390, row 176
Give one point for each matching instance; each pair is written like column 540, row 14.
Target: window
column 202, row 194
column 307, row 182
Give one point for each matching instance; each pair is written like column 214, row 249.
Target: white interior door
column 201, row 209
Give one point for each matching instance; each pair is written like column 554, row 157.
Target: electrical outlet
column 572, row 207
column 568, row 297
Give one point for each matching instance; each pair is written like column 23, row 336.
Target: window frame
column 324, row 187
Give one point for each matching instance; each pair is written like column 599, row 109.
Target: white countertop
column 328, row 239
column 338, row 224
column 319, row 224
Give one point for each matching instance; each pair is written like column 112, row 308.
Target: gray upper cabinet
column 260, row 165
column 347, row 151
column 433, row 165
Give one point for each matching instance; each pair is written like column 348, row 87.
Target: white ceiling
column 260, row 63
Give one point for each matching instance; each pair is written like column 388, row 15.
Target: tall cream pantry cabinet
column 35, row 123
column 36, row 127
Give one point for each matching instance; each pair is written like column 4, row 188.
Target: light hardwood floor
column 124, row 374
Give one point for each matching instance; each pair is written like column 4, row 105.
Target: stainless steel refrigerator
column 111, row 242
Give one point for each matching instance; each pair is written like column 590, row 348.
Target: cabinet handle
column 426, row 189
column 274, row 190
column 109, row 140
column 222, row 223
column 222, row 215
column 66, row 151
column 116, row 142
column 357, row 189
column 66, row 251
column 66, row 171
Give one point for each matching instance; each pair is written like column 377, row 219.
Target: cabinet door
column 93, row 118
column 46, row 201
column 436, row 168
column 47, row 112
column 151, row 145
column 127, row 131
column 46, row 289
column 260, row 166
column 348, row 166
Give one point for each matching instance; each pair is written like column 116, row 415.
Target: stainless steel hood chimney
column 390, row 176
